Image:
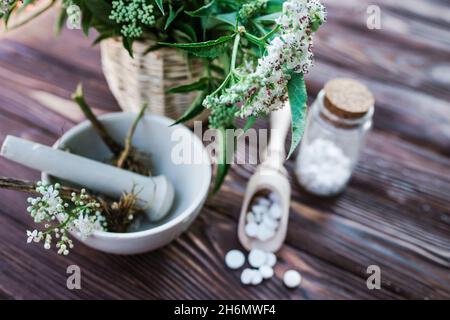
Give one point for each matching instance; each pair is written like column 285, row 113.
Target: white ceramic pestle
column 156, row 194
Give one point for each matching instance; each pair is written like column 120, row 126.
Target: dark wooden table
column 395, row 213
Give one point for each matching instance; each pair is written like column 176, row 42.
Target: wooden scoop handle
column 280, row 122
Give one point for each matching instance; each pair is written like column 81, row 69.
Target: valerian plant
column 255, row 52
column 265, row 55
column 61, row 211
column 80, row 214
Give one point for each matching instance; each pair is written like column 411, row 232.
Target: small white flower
column 31, row 235
column 83, row 217
column 51, row 197
column 85, row 225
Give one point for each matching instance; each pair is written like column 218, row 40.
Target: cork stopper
column 348, row 98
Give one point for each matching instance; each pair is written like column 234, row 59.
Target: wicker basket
column 147, row 77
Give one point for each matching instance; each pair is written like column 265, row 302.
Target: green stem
column 255, row 40
column 128, row 142
column 259, row 27
column 268, row 35
column 207, row 69
column 261, row 42
column 224, row 83
column 237, row 40
column 59, row 226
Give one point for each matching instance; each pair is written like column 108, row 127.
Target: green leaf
column 172, row 16
column 128, row 45
column 6, row 17
column 221, row 173
column 200, row 85
column 274, row 6
column 152, row 48
column 297, row 98
column 232, row 5
column 10, row 9
column 86, row 19
column 207, row 49
column 204, row 11
column 250, row 122
column 60, row 22
column 223, row 165
column 102, row 28
column 259, row 26
column 188, row 30
column 100, row 10
column 230, row 18
column 160, row 5
column 103, row 36
column 194, row 110
column 217, row 69
column 316, row 23
column 180, row 36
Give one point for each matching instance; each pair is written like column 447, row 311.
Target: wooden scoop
column 156, row 194
column 270, row 176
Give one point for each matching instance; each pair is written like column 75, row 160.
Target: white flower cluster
column 251, row 8
column 49, row 206
column 73, row 16
column 4, row 6
column 132, row 14
column 82, row 216
column 265, row 89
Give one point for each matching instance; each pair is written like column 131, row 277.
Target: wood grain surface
column 394, row 214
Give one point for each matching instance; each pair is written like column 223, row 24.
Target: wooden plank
column 406, row 113
column 395, row 212
column 398, row 30
column 394, row 63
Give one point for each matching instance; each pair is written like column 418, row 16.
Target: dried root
column 119, row 214
column 126, row 157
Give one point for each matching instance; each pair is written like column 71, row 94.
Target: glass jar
column 336, row 129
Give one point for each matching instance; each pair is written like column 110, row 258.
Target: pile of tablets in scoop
column 264, row 218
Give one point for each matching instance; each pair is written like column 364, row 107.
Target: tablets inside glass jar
column 323, row 168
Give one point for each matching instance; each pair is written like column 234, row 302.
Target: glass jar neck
column 339, row 121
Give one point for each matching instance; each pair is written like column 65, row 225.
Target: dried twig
column 126, row 158
column 128, row 142
column 78, row 97
column 117, row 213
column 30, row 187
